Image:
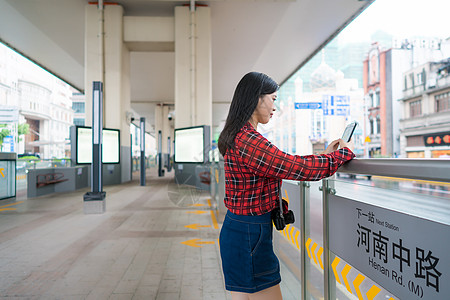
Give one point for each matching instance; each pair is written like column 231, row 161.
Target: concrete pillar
column 142, row 141
column 166, row 130
column 193, row 84
column 93, row 56
column 203, row 67
column 162, row 123
column 113, row 66
column 107, row 59
column 117, row 83
column 126, row 90
column 158, row 119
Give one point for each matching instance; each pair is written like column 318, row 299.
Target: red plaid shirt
column 254, row 169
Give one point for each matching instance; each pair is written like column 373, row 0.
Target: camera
column 170, row 116
column 281, row 220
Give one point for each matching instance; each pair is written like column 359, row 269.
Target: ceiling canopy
column 273, row 37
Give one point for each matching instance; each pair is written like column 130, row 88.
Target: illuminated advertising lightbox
column 437, row 139
column 190, row 145
column 110, row 145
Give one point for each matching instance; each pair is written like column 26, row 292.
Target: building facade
column 382, row 68
column 79, row 108
column 43, row 102
column 385, row 84
column 425, row 125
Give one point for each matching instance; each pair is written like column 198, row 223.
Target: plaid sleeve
column 264, row 159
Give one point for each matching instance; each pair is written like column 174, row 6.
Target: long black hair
column 245, row 100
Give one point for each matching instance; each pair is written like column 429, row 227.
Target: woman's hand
column 334, row 145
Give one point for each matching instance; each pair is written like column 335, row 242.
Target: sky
column 401, row 18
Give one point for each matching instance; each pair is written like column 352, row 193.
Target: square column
column 107, row 60
column 193, row 82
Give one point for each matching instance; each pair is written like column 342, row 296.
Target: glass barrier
column 387, row 219
column 377, row 238
column 7, row 175
column 42, row 164
column 314, row 238
column 136, row 162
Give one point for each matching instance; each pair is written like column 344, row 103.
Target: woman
column 254, row 169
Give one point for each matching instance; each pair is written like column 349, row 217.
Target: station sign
column 406, row 255
column 336, row 105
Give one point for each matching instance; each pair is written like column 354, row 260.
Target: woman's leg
column 272, row 293
column 239, row 296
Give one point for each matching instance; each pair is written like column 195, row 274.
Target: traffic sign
column 336, row 105
column 308, row 105
column 8, row 143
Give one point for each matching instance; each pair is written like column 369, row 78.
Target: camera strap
column 281, row 207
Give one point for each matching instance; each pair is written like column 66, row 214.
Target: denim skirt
column 248, row 261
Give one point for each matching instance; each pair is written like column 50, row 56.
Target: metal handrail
column 421, row 169
column 437, row 169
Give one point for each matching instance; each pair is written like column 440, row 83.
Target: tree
column 3, row 133
column 24, row 128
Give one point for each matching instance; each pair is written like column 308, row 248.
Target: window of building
column 405, row 87
column 415, row 154
column 371, row 121
column 415, row 108
column 442, row 102
column 421, row 77
column 78, row 121
column 411, row 76
column 78, row 107
column 414, row 141
column 374, row 99
column 378, row 125
column 377, row 95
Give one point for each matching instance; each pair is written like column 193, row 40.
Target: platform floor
column 140, row 248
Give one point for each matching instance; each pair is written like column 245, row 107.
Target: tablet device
column 348, row 132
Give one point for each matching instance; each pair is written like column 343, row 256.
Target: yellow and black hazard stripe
column 315, row 254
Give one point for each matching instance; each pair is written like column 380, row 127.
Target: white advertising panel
column 189, row 145
column 84, row 145
column 110, row 150
column 110, row 146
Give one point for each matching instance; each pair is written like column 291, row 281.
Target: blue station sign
column 308, row 105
